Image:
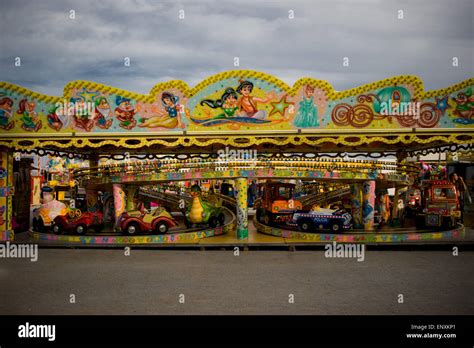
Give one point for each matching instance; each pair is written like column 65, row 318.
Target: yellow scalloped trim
column 416, row 82
column 232, row 141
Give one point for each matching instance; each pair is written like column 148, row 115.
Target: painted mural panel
column 6, row 193
column 236, row 101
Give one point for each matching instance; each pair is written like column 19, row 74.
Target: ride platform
column 224, row 237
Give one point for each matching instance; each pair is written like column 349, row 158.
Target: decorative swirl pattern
column 341, row 114
column 406, row 120
column 362, row 116
column 366, row 98
column 429, row 115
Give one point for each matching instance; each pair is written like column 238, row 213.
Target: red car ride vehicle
column 439, row 205
column 136, row 222
column 78, row 222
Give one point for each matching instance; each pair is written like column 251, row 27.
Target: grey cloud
column 55, row 49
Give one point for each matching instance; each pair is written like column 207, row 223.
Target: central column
column 6, row 195
column 92, row 194
column 242, row 217
column 395, row 213
column 131, row 190
column 356, row 204
column 119, row 202
column 368, row 192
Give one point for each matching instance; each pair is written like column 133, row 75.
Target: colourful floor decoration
column 172, row 238
column 368, row 237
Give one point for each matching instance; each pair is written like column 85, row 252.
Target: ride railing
column 177, row 199
column 172, row 199
column 326, row 196
column 331, row 165
column 230, row 202
column 313, row 190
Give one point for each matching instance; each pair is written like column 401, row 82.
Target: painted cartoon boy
column 125, row 112
column 248, row 104
column 102, row 113
column 30, row 119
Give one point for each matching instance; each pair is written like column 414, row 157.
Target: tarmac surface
column 105, row 281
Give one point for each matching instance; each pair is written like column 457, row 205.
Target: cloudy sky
column 55, row 49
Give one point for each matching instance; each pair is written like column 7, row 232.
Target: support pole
column 131, row 190
column 395, row 213
column 242, row 216
column 93, row 195
column 6, row 195
column 119, row 202
column 356, row 205
column 368, row 192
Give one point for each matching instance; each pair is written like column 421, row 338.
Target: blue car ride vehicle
column 335, row 220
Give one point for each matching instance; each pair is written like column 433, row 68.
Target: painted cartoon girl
column 227, row 102
column 307, row 115
column 169, row 118
column 30, row 119
column 6, row 105
column 248, row 104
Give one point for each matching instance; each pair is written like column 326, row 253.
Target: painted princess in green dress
column 307, row 115
column 227, row 102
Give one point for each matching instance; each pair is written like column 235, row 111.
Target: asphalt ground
column 106, row 281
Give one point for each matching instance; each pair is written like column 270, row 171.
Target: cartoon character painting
column 170, row 117
column 53, row 119
column 307, row 115
column 236, row 109
column 227, row 102
column 6, row 121
column 464, row 107
column 125, row 113
column 83, row 117
column 29, row 117
column 103, row 113
column 248, row 104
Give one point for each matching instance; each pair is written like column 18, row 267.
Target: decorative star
column 280, row 106
column 442, row 104
column 88, row 96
